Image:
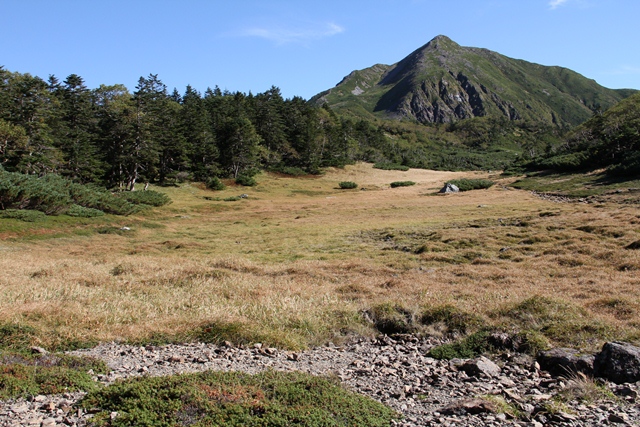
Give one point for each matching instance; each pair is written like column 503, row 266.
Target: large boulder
column 481, row 366
column 469, row 406
column 565, row 361
column 450, row 188
column 618, row 362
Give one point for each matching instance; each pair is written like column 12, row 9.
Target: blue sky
column 304, row 47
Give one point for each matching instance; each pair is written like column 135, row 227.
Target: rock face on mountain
column 444, row 82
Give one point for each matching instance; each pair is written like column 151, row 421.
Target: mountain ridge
column 444, row 82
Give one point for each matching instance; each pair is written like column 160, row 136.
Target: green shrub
column 466, row 348
column 402, row 184
column 23, row 374
column 148, row 197
column 289, row 170
column 347, row 185
column 52, row 194
column 246, row 180
column 471, row 184
column 44, row 194
column 22, row 381
column 565, row 162
column 23, row 215
column 96, row 198
column 231, row 199
column 391, row 166
column 15, row 336
column 228, row 399
column 628, row 168
column 215, row 183
column 530, row 342
column 82, row 212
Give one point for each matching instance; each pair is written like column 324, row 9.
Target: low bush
column 629, row 167
column 290, row 170
column 565, row 162
column 391, row 167
column 14, row 336
column 52, row 194
column 466, row 184
column 234, row 399
column 23, row 215
column 215, row 184
column 23, row 375
column 246, row 180
column 82, row 212
column 93, row 197
column 21, row 381
column 347, row 185
column 402, row 184
column 469, row 347
column 530, row 342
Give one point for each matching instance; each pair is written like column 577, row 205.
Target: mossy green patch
column 234, row 399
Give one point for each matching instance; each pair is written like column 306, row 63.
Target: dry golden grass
column 298, row 260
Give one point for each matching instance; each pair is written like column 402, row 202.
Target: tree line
column 112, row 137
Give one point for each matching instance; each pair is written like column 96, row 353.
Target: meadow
column 300, row 262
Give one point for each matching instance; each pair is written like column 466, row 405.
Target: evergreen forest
column 117, row 139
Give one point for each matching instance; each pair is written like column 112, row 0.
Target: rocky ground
column 427, row 392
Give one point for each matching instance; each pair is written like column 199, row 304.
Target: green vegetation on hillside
column 443, row 82
column 466, row 184
column 608, row 140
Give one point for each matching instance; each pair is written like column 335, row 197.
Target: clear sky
column 304, row 46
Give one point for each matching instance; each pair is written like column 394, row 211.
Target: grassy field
column 299, row 261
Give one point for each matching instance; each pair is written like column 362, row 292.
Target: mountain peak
column 441, row 40
column 444, row 82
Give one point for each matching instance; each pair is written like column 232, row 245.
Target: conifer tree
column 200, row 135
column 26, row 104
column 76, row 133
column 115, row 111
column 268, row 112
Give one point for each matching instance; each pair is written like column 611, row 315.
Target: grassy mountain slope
column 443, row 82
column 609, row 140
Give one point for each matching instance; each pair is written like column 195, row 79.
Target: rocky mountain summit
column 511, row 389
column 443, row 82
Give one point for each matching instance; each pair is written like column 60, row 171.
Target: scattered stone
column 449, row 188
column 618, row 418
column 394, row 371
column 469, row 406
column 481, row 366
column 176, row 359
column 49, row 422
column 565, row 362
column 38, row 350
column 618, row 362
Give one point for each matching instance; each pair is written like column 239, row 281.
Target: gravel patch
column 396, row 372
